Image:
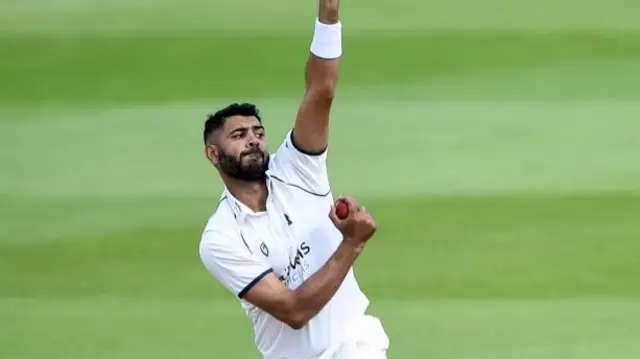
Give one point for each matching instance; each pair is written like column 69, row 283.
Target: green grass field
column 496, row 142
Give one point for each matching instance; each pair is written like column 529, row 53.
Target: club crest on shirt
column 264, row 249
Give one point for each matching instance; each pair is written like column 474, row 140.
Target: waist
column 366, row 330
column 276, row 340
column 310, row 342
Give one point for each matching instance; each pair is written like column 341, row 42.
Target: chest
column 295, row 245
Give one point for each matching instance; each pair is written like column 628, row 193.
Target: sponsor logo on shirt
column 294, row 272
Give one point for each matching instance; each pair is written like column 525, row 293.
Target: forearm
column 318, row 290
column 321, row 78
column 321, row 69
column 328, row 11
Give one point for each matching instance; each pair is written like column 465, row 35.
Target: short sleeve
column 231, row 262
column 305, row 170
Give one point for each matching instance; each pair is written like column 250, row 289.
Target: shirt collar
column 239, row 209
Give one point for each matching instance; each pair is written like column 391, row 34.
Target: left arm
column 311, row 128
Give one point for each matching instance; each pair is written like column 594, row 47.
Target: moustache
column 250, row 152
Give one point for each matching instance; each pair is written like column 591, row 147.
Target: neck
column 251, row 194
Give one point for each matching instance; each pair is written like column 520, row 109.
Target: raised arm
column 311, row 128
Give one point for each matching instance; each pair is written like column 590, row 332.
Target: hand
column 358, row 227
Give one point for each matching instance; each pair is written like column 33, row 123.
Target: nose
column 253, row 141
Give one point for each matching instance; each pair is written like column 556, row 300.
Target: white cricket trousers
column 358, row 351
column 367, row 340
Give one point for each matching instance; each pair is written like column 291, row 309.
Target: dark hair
column 217, row 120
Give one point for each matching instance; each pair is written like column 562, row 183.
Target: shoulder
column 220, row 228
column 225, row 254
column 221, row 244
column 222, row 216
column 291, row 147
column 293, row 165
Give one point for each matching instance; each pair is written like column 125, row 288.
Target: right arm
column 297, row 307
column 243, row 273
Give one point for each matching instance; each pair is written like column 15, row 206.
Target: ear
column 211, row 152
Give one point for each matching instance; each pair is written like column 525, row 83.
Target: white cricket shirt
column 293, row 238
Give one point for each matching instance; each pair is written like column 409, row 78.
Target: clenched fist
column 358, row 227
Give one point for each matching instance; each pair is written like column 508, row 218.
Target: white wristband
column 327, row 40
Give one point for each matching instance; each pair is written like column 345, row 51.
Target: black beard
column 252, row 171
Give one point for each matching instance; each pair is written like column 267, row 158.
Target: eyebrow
column 244, row 129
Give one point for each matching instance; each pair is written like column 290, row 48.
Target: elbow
column 297, row 322
column 323, row 91
column 295, row 318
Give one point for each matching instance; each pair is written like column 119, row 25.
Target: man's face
column 241, row 151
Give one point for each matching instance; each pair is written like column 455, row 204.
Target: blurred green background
column 497, row 142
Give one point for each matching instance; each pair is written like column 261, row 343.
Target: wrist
column 351, row 246
column 327, row 40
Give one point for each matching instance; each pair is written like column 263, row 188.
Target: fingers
column 368, row 218
column 333, row 217
column 355, row 210
column 364, row 213
column 350, row 200
column 352, row 204
column 359, row 224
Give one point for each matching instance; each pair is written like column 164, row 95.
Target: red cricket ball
column 342, row 209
